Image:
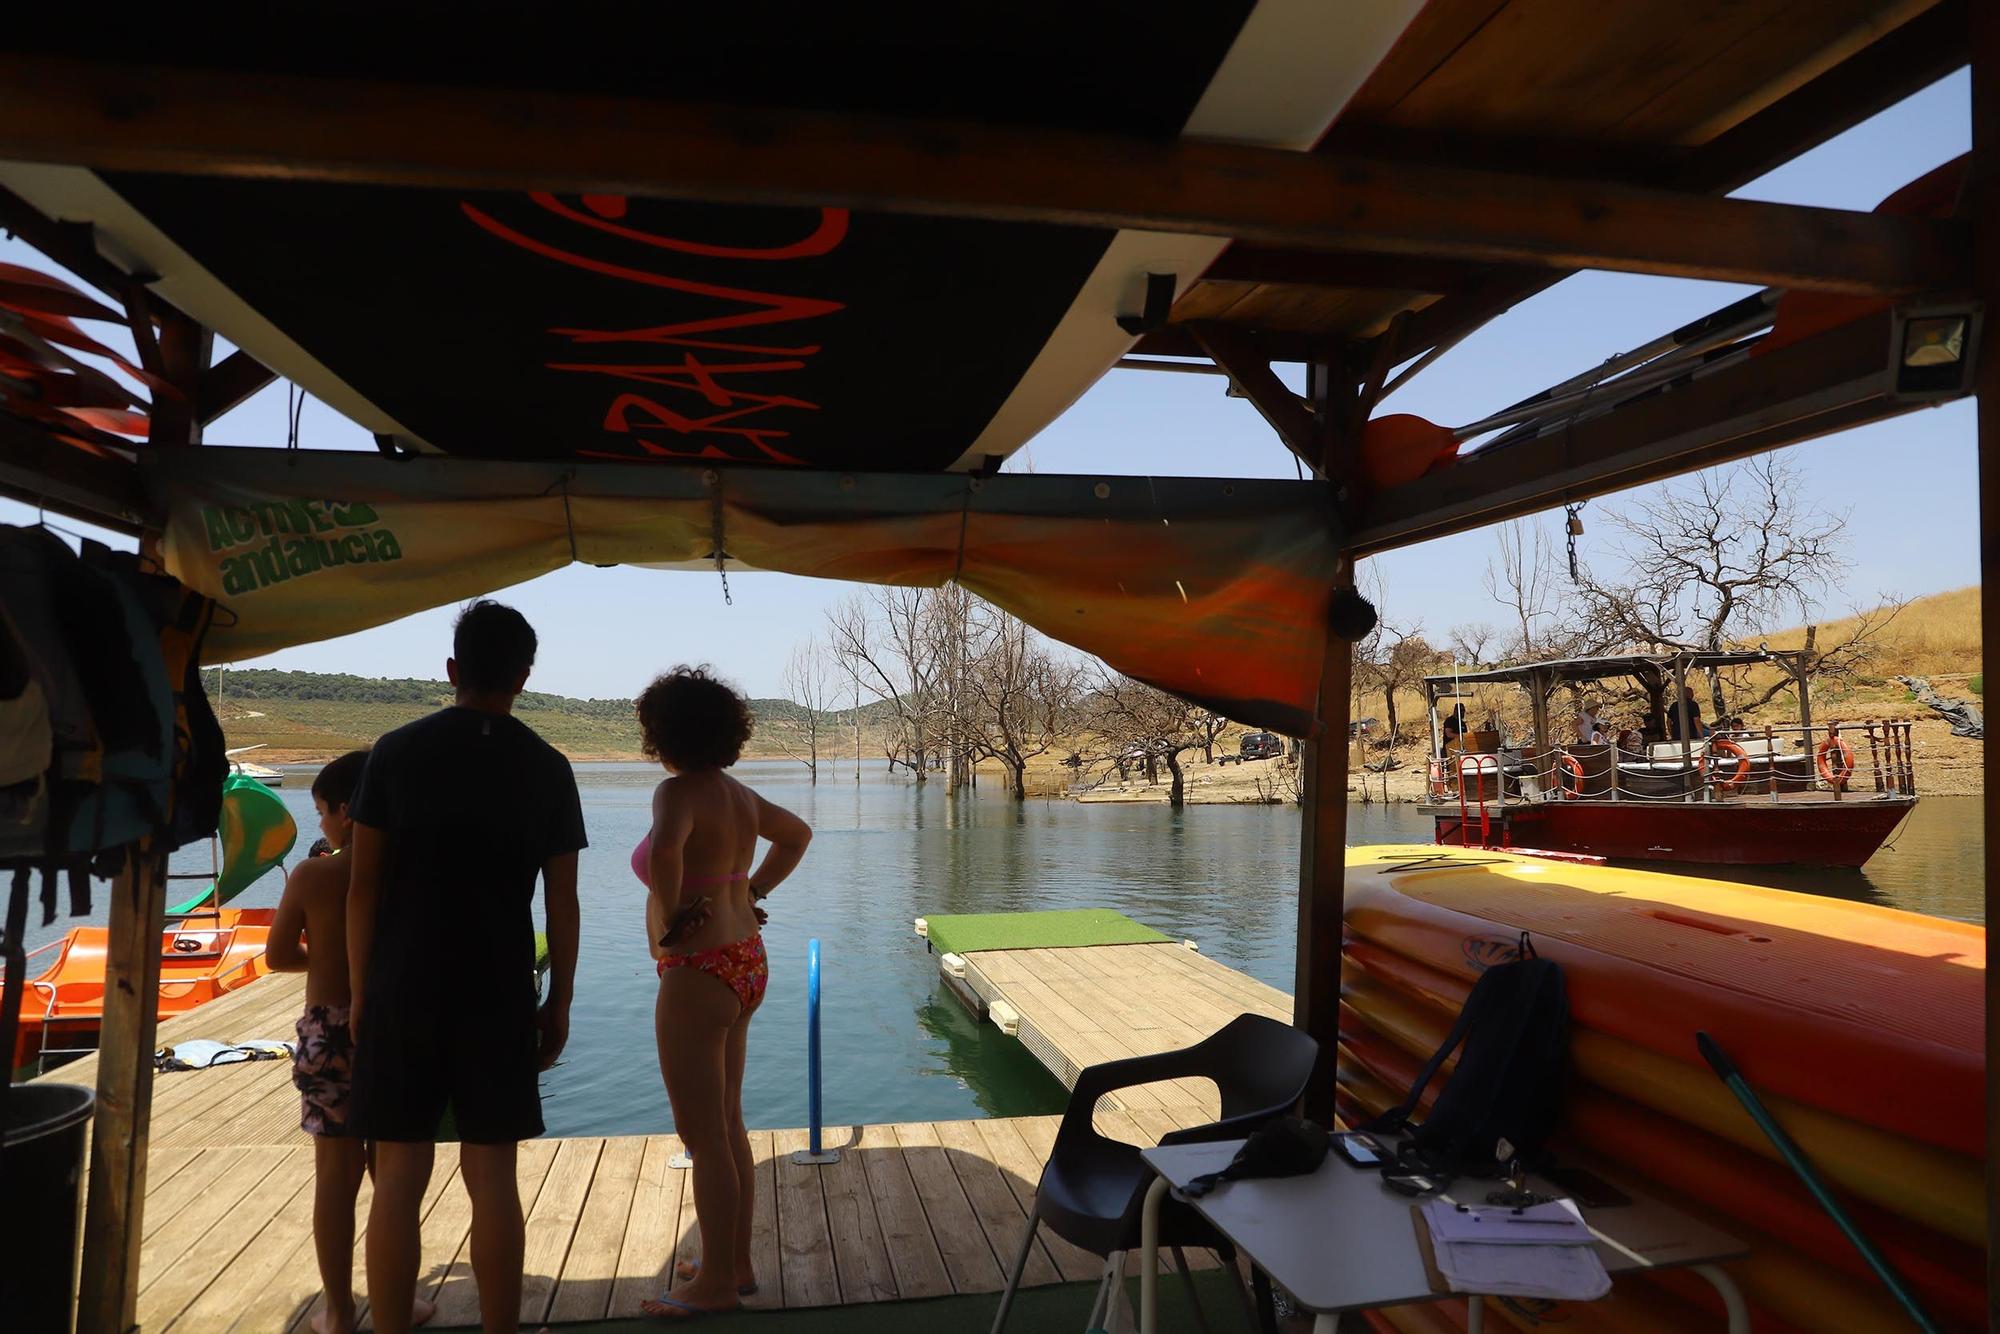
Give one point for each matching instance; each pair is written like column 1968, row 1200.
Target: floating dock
column 921, row 1209
column 1080, row 988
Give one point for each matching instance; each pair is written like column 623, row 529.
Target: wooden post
column 112, row 1225
column 1983, row 200
column 1322, row 873
column 1875, row 756
column 1771, row 760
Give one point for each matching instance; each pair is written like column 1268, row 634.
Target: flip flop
column 685, row 1270
column 693, row 1312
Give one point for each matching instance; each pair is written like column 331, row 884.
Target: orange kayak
column 1861, row 1026
column 201, row 958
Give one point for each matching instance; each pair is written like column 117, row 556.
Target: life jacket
column 112, row 648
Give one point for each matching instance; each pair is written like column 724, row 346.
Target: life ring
column 1828, row 748
column 1718, row 745
column 1571, row 786
column 1441, row 788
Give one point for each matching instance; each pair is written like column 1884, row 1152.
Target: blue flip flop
column 693, row 1312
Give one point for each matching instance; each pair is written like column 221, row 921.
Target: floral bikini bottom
column 740, row 965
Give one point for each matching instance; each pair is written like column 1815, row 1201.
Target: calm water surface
column 895, row 1046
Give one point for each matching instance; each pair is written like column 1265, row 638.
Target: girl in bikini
column 702, row 917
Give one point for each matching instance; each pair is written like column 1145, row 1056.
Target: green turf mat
column 963, row 933
column 1059, row 1307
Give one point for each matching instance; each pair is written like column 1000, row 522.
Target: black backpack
column 1508, row 1084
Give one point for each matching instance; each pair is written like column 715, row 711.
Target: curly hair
column 692, row 721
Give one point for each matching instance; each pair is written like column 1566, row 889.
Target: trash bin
column 41, row 1180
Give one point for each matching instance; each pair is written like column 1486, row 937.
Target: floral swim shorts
column 323, row 1070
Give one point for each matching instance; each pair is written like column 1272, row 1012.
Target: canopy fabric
column 1213, row 589
column 1651, row 666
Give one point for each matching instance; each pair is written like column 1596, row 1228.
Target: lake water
column 896, row 1047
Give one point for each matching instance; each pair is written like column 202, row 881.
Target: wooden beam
column 1272, row 344
column 184, row 353
column 1904, row 61
column 1323, row 873
column 113, row 1222
column 1342, row 271
column 151, row 118
column 1985, row 209
column 228, row 383
column 1287, row 414
column 1840, row 378
column 69, row 244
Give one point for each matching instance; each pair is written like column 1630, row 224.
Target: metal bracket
column 807, row 1158
column 1159, row 304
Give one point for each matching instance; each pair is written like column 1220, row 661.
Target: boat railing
column 1728, row 764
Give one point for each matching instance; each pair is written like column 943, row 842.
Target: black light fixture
column 1933, row 347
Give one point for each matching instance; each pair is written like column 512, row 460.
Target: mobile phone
column 1586, row 1187
column 1358, row 1149
column 1410, row 1183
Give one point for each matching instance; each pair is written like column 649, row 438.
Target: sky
column 1908, row 482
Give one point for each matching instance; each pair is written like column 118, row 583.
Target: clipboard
column 1428, row 1253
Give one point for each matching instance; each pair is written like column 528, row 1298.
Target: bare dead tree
column 1023, row 698
column 1209, row 726
column 810, row 680
column 1135, row 720
column 882, row 638
column 1470, row 644
column 1393, row 657
column 1721, row 557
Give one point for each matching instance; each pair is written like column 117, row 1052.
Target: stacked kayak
column 1862, row 1027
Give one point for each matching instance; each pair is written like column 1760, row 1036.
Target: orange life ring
column 1724, row 746
column 1833, row 745
column 1572, row 786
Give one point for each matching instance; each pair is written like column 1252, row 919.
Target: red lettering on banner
column 832, row 230
column 632, row 416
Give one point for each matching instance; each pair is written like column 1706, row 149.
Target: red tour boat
column 1657, row 785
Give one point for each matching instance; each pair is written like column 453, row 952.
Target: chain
column 721, row 557
column 1573, row 529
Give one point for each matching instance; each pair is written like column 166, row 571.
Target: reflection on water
column 895, row 1045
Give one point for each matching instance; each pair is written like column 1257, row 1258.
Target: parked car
column 1256, row 746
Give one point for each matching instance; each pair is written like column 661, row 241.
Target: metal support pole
column 814, row 1152
column 1323, row 873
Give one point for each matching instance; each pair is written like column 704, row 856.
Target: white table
column 1339, row 1240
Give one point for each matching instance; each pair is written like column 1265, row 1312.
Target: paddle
column 1726, row 1070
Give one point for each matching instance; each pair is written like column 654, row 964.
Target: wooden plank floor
column 919, row 1209
column 1083, row 1005
column 911, row 1210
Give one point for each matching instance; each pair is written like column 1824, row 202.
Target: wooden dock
column 1078, row 1006
column 911, row 1210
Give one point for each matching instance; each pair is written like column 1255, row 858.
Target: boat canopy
column 1654, row 669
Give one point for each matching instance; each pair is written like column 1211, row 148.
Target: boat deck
column 911, row 1210
column 1077, row 1006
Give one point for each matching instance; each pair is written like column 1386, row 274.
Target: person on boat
column 457, row 815
column 1696, row 730
column 1453, row 727
column 702, row 912
column 309, row 935
column 1589, row 726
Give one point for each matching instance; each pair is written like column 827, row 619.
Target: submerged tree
column 811, row 680
column 1136, row 722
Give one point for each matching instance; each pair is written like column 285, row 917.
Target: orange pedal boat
column 201, row 958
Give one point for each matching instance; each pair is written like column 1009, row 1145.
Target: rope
column 964, row 524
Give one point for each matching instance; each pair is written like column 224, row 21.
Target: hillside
column 308, row 716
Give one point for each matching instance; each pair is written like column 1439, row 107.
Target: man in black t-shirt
column 456, row 816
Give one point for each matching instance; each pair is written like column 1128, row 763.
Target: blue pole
column 812, row 1040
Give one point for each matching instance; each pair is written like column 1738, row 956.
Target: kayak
column 1861, row 1026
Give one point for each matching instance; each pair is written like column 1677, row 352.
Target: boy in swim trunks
column 309, row 935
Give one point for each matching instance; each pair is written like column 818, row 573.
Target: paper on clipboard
column 1504, row 1266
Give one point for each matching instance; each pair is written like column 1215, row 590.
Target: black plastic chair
column 1093, row 1189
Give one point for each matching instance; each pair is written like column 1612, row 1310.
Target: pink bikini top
column 642, row 857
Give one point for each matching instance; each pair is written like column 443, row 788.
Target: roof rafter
column 149, row 118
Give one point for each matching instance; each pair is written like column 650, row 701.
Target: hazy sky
column 1909, row 482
